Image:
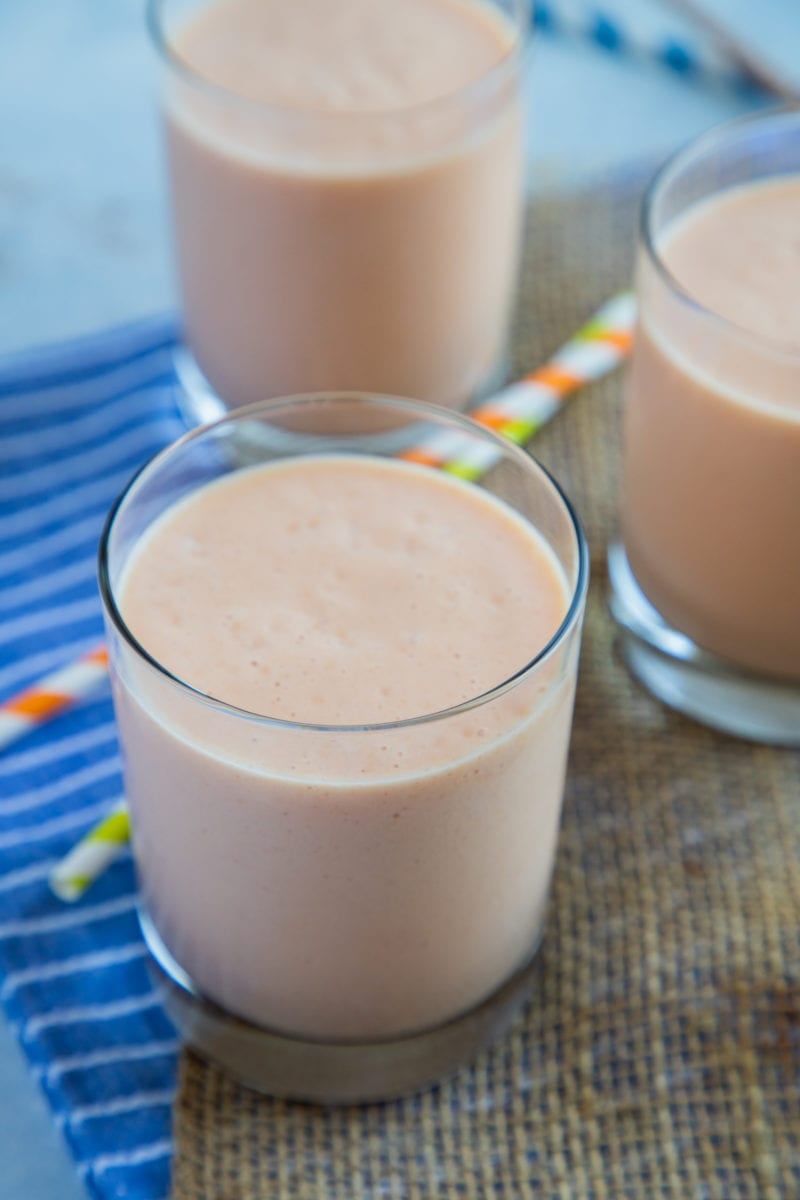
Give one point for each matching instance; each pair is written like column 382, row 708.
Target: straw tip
column 68, row 888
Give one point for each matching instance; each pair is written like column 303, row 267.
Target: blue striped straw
column 685, row 58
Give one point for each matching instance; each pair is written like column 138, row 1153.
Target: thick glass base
column 687, row 678
column 293, row 1068
column 199, row 403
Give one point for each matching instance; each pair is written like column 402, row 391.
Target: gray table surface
column 84, row 241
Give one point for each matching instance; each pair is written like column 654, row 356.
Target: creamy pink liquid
column 711, row 513
column 346, row 216
column 365, row 882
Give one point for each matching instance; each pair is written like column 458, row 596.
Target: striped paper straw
column 52, row 695
column 517, row 413
column 93, row 854
column 712, row 64
column 753, row 61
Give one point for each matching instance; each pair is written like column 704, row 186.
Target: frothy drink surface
column 712, row 468
column 360, row 56
column 739, row 256
column 348, row 884
column 343, row 591
column 351, row 234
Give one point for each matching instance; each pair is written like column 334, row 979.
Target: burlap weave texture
column 660, row 1055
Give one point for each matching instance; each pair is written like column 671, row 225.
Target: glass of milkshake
column 344, row 683
column 706, row 577
column 347, row 185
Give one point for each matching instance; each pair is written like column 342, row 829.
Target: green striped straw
column 93, row 854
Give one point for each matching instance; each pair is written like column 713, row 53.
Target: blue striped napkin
column 75, row 423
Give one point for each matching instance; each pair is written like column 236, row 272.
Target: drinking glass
column 706, row 575
column 327, row 928
column 320, row 249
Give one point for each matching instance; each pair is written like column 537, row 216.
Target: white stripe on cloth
column 129, row 377
column 59, row 616
column 46, row 586
column 146, row 1098
column 25, row 876
column 36, row 798
column 42, row 831
column 32, row 556
column 99, row 418
column 86, row 915
column 29, row 670
column 64, row 507
column 76, row 964
column 128, row 1158
column 108, row 1058
column 18, row 761
column 84, row 357
column 139, row 442
column 107, row 1011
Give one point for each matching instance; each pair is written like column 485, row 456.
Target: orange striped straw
column 52, row 695
column 520, row 410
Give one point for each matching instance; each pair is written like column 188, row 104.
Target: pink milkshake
column 347, row 182
column 321, row 853
column 711, row 506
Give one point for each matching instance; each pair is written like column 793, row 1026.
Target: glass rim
column 669, row 169
column 419, row 408
column 486, row 82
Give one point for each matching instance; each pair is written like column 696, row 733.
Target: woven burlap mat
column 660, row 1055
